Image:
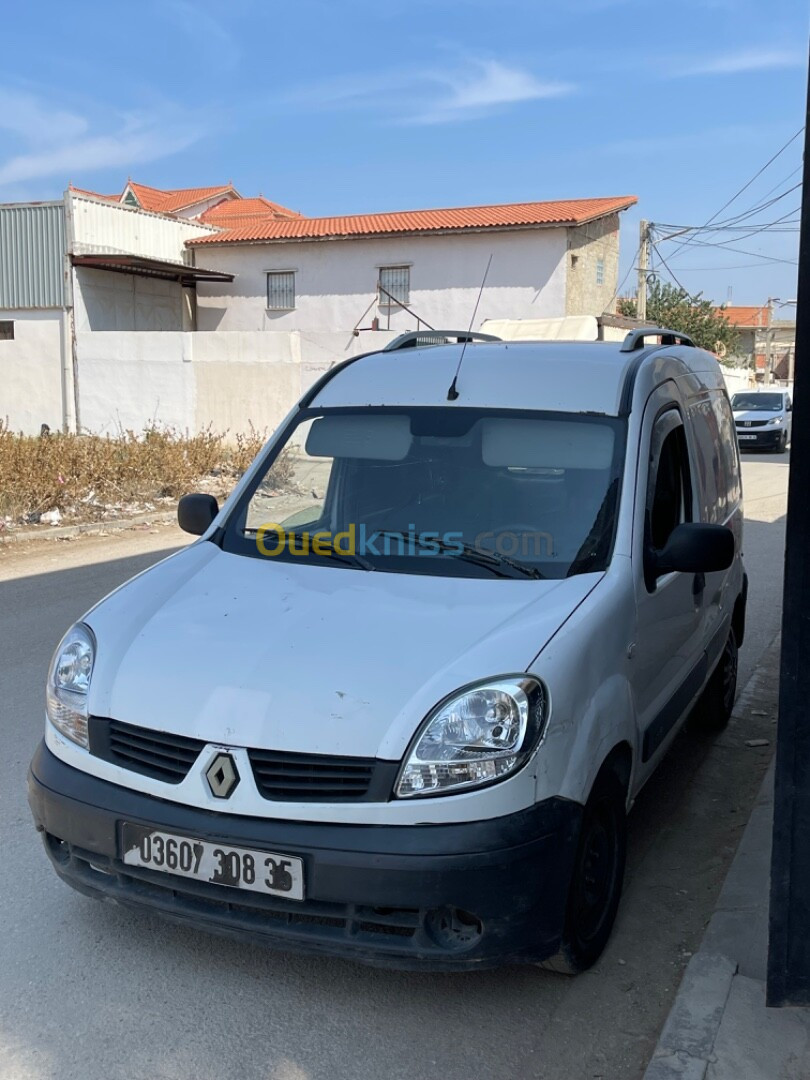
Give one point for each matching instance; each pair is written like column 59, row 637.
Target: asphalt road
column 92, row 992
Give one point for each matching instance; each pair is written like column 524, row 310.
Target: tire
column 715, row 705
column 596, row 881
column 781, row 446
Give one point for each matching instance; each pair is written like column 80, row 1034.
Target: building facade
column 197, row 307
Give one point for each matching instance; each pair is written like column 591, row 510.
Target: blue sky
column 345, row 106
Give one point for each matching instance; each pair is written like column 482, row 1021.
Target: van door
column 668, row 650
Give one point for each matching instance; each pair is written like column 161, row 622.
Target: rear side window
column 716, row 458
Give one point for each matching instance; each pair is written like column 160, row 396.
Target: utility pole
column 643, row 266
column 768, row 355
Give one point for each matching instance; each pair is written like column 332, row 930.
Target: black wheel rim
column 597, row 871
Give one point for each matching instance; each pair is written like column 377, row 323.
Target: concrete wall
column 336, row 281
column 31, row 371
column 587, row 245
column 228, row 380
column 111, row 301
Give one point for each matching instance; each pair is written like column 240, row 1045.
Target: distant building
column 197, row 305
column 766, row 344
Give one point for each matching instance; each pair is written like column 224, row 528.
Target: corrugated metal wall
column 32, row 250
column 109, row 228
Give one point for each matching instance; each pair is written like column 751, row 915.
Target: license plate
column 239, row 868
column 745, row 436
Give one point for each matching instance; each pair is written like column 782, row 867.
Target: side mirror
column 196, row 512
column 696, row 548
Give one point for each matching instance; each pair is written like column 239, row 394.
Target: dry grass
column 88, row 476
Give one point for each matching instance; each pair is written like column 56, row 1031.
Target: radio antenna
column 452, row 393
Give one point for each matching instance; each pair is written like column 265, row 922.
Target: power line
column 784, row 180
column 742, row 251
column 723, row 227
column 680, row 285
column 767, row 227
column 710, row 269
column 748, row 184
column 732, row 221
column 620, row 286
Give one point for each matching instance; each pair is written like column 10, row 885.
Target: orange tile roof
column 170, row 201
column 511, row 215
column 746, row 316
column 230, row 212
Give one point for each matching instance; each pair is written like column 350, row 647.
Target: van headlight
column 776, row 420
column 68, row 682
column 478, row 736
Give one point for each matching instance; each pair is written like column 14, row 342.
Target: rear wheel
column 715, row 705
column 596, row 883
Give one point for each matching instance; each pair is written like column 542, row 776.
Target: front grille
column 751, row 423
column 279, row 775
column 158, row 754
column 320, row 778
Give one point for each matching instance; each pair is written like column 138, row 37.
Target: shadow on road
column 94, row 991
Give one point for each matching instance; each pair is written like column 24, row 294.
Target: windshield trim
column 231, row 540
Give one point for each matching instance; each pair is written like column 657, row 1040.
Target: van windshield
column 449, row 491
column 757, row 402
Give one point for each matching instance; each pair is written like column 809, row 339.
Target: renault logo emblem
column 222, row 776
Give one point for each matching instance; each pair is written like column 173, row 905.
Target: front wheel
column 596, row 883
column 781, row 446
column 714, row 707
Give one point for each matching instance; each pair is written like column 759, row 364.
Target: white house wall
column 31, row 371
column 228, row 381
column 113, row 301
column 336, row 280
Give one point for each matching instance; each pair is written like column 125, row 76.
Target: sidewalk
column 718, row 1027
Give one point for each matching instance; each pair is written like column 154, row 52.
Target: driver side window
column 669, row 488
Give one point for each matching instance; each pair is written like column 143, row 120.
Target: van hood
column 756, row 414
column 300, row 657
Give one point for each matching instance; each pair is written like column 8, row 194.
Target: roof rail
column 416, row 339
column 635, row 338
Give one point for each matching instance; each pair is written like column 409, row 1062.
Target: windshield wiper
column 359, row 562
column 491, row 560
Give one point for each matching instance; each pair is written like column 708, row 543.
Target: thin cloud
column 490, row 85
column 745, row 60
column 475, row 89
column 35, row 121
column 203, row 30
column 64, row 144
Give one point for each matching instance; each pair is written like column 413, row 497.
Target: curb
column 64, row 532
column 686, row 1046
column 687, row 1040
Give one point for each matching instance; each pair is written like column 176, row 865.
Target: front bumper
column 445, row 897
column 762, row 437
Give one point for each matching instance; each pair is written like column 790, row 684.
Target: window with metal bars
column 6, row 330
column 395, row 285
column 280, row 290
